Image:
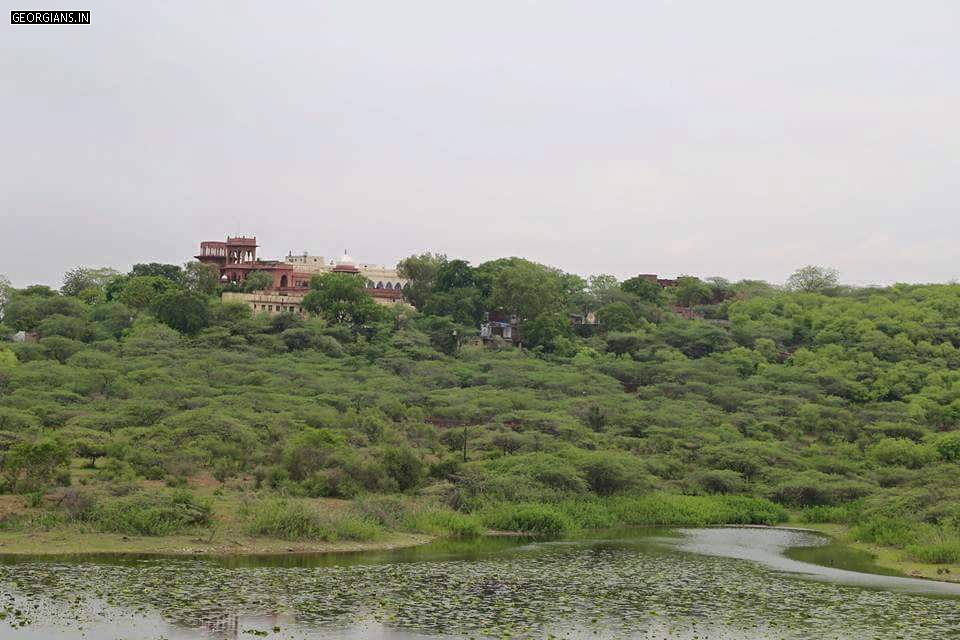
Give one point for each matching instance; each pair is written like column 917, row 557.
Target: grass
column 534, row 519
column 445, row 523
column 150, row 515
column 938, row 553
column 288, row 520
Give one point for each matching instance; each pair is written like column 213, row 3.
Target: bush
column 533, row 519
column 816, row 489
column 718, row 481
column 295, row 521
column 677, row 510
column 901, row 452
column 840, row 514
column 948, row 446
column 151, row 515
column 445, row 522
column 889, row 531
column 942, row 553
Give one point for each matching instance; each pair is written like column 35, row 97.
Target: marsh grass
column 146, row 515
column 289, row 520
column 937, row 553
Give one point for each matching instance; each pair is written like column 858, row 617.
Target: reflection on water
column 710, row 583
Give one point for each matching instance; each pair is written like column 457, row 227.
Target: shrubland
column 702, row 403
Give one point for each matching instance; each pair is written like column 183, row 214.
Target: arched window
column 283, row 280
column 379, row 285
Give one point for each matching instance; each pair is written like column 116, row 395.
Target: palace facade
column 236, row 258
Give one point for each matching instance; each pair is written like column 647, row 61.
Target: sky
column 740, row 139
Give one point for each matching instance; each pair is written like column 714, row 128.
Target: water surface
column 693, row 583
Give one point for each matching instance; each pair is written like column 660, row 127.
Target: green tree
column 617, row 316
column 257, row 281
column 29, row 466
column 171, row 272
column 645, row 288
column 691, row 291
column 421, row 271
column 340, row 298
column 552, row 332
column 201, row 278
column 139, row 292
column 454, row 274
column 528, row 290
column 81, row 279
column 464, row 305
column 813, row 279
column 404, row 466
column 184, row 311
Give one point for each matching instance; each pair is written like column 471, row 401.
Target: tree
column 528, row 290
column 552, row 332
column 29, row 466
column 404, row 466
column 257, row 281
column 81, row 279
column 647, row 289
column 171, row 272
column 692, row 291
column 184, row 311
column 617, row 316
column 6, row 291
column 455, row 274
column 139, row 292
column 813, row 279
column 421, row 270
column 340, row 298
column 201, row 278
column 464, row 305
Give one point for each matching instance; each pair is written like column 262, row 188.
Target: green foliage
column 421, row 271
column 151, row 515
column 257, row 281
column 813, row 279
column 534, row 519
column 29, row 466
column 644, row 288
column 340, row 298
column 940, row 553
column 617, row 316
column 181, row 310
column 901, row 452
column 139, row 292
column 843, row 406
column 290, row 520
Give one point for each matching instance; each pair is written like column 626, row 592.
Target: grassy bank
column 902, row 559
column 205, row 519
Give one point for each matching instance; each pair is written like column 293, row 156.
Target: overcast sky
column 734, row 138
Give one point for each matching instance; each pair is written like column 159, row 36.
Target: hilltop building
column 236, row 258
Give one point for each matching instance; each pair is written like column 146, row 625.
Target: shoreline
column 61, row 543
column 885, row 557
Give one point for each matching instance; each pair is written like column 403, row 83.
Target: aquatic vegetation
column 290, row 520
column 609, row 589
column 535, row 519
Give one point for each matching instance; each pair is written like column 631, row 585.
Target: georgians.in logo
column 49, row 17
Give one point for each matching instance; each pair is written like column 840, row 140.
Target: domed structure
column 346, row 258
column 345, row 264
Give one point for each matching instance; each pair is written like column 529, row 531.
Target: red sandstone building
column 237, row 258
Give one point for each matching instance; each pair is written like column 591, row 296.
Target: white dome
column 346, row 258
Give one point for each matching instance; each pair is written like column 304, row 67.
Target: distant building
column 236, row 258
column 498, row 325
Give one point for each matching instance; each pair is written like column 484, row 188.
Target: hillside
column 161, row 410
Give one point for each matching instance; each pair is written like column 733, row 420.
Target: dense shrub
column 533, row 519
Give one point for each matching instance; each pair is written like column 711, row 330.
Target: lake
column 725, row 583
